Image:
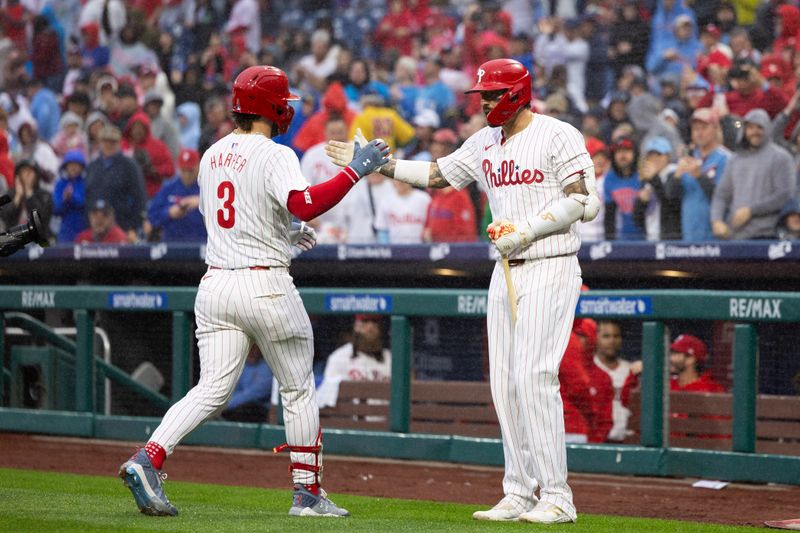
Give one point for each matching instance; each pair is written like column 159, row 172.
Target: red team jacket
column 576, row 393
column 161, row 164
column 451, row 217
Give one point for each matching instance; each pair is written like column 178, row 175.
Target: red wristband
column 317, row 199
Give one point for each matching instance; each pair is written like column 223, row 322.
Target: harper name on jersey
column 228, row 159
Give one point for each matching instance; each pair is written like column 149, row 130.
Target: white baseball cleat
column 505, row 511
column 546, row 513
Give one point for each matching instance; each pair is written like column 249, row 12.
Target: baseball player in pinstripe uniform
column 250, row 187
column 539, row 180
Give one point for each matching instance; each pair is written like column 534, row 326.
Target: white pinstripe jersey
column 245, row 180
column 523, row 175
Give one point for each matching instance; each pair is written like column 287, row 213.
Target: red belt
column 248, row 268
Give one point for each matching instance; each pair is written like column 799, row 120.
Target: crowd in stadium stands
column 691, row 114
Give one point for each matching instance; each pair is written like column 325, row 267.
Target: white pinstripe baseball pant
column 234, row 309
column 523, row 365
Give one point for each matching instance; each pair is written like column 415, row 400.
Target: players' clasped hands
column 364, row 157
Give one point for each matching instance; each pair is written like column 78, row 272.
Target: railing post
column 652, row 385
column 84, row 362
column 745, row 388
column 400, row 404
column 181, row 359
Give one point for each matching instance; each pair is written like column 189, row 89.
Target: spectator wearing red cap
column 711, row 39
column 364, row 358
column 714, row 68
column 451, row 213
column 687, row 359
column 778, row 74
column 94, row 55
column 601, row 157
column 174, row 210
column 747, row 92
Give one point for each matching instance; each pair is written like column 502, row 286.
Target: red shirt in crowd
column 451, row 217
column 115, row 235
column 398, row 31
column 772, row 101
column 6, row 163
column 160, row 165
column 334, row 103
column 705, row 383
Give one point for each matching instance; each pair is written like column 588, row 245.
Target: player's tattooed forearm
column 388, row 169
column 435, row 178
column 579, row 187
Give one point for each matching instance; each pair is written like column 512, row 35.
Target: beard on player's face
column 369, row 341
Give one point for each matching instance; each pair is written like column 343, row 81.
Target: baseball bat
column 512, row 293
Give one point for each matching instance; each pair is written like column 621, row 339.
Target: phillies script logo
column 509, row 173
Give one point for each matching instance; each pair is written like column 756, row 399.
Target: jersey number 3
column 226, row 217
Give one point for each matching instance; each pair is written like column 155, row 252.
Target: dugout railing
column 652, row 456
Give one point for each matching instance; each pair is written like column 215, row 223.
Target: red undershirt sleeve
column 310, row 203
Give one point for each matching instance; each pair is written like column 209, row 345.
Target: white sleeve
column 569, row 154
column 462, row 166
column 287, row 175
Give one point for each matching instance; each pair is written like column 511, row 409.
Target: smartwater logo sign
column 137, row 300
column 358, row 303
column 615, row 305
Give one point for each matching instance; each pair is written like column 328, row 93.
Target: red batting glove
column 495, row 230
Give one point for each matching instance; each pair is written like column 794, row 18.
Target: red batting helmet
column 499, row 74
column 264, row 91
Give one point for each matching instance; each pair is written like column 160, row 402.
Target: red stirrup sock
column 313, row 488
column 156, row 453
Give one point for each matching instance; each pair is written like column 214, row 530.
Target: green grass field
column 48, row 502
